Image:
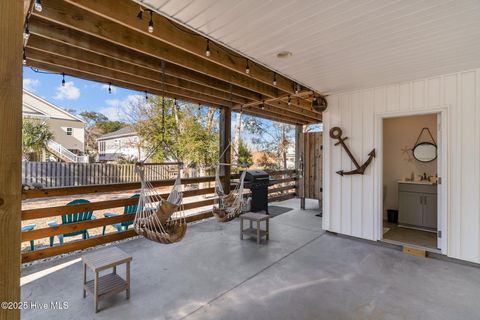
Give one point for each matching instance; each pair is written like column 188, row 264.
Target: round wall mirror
column 425, row 152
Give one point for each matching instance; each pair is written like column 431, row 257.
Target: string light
column 289, row 100
column 247, row 68
column 63, row 79
column 110, row 88
column 150, row 23
column 38, row 5
column 207, row 51
column 274, row 79
column 24, row 57
column 26, row 33
column 140, row 14
column 262, row 106
column 297, row 88
column 146, row 95
column 175, row 102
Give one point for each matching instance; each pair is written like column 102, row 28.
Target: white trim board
column 442, row 170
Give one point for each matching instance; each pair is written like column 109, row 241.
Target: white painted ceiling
column 340, row 45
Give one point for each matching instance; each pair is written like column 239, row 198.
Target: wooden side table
column 258, row 232
column 111, row 283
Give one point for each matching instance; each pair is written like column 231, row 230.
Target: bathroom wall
column 399, row 137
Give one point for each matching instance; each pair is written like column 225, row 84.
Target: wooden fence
column 61, row 174
column 283, row 190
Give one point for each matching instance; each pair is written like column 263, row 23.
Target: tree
column 35, row 136
column 272, row 137
column 244, row 154
column 178, row 132
column 97, row 125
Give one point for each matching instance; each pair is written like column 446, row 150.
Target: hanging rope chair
column 157, row 219
column 228, row 206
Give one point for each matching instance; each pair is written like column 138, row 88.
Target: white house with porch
column 121, row 144
column 68, row 143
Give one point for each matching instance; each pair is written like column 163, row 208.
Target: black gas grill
column 258, row 182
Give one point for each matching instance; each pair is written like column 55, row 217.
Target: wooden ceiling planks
column 80, row 38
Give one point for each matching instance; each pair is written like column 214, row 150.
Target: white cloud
column 30, row 84
column 118, row 109
column 104, row 87
column 67, row 92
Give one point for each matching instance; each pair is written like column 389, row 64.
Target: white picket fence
column 61, row 174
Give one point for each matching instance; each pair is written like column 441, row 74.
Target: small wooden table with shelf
column 109, row 284
column 258, row 232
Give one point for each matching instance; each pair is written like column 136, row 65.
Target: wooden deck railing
column 283, row 190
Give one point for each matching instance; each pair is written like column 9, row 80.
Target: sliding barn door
column 311, row 155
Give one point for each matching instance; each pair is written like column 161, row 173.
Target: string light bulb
column 63, row 79
column 26, row 32
column 24, row 61
column 175, row 102
column 207, row 51
column 247, row 68
column 38, row 5
column 110, row 88
column 150, row 23
column 297, row 88
column 289, row 101
column 274, row 78
column 262, row 106
column 146, row 95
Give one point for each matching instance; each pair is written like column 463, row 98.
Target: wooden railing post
column 11, row 23
column 225, row 146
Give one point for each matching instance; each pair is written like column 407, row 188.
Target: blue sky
column 78, row 94
column 82, row 95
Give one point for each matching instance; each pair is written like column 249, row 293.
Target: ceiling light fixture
column 150, row 23
column 26, row 32
column 38, row 5
column 284, row 54
column 207, row 51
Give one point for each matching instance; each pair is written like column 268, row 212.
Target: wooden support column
column 298, row 164
column 225, row 147
column 11, row 24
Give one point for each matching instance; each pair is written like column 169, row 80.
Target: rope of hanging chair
column 157, row 219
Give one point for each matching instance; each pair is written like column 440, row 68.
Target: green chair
column 126, row 210
column 73, row 218
column 30, row 227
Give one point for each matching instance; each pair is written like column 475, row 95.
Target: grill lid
column 256, row 175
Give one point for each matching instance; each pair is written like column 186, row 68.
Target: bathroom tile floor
column 409, row 236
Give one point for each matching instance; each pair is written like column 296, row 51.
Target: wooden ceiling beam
column 69, row 16
column 95, row 76
column 67, row 37
column 282, row 113
column 167, row 31
column 54, row 49
column 273, row 117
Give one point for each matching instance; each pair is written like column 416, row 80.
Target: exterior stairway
column 64, row 154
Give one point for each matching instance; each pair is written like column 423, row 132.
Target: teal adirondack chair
column 30, row 227
column 126, row 210
column 72, row 218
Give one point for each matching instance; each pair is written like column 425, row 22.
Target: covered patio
column 354, row 64
column 303, row 273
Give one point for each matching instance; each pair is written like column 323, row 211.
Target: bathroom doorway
column 411, row 175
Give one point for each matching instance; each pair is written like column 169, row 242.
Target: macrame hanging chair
column 228, row 206
column 157, row 219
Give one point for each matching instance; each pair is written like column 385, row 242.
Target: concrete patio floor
column 302, row 273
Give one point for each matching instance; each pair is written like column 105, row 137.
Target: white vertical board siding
column 351, row 202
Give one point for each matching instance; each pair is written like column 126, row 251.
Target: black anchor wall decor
column 336, row 133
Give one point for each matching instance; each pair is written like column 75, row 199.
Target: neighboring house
column 123, row 143
column 68, row 130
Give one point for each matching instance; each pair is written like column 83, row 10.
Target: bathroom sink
column 417, row 182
